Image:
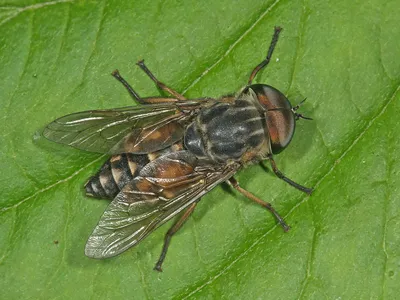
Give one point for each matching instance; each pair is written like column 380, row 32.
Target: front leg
column 284, row 178
column 235, row 184
column 265, row 62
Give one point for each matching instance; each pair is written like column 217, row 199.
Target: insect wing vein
column 128, row 220
column 102, row 130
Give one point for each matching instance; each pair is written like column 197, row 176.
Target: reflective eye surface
column 280, row 118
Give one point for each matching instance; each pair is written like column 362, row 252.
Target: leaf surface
column 56, row 58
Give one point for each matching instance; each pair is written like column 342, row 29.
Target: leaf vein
column 94, row 281
column 19, row 10
column 4, row 209
column 323, row 139
column 85, row 67
column 348, row 82
column 63, row 254
column 385, row 216
column 311, row 256
column 9, row 115
column 10, row 239
column 379, row 35
column 298, row 46
column 60, row 48
column 196, row 242
column 231, row 47
column 144, row 283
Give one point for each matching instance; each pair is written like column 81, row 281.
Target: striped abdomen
column 119, row 170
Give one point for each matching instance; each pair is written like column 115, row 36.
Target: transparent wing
column 137, row 129
column 163, row 188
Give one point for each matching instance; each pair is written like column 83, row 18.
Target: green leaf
column 56, row 58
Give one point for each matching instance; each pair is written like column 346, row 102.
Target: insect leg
column 161, row 85
column 269, row 54
column 177, row 225
column 235, row 184
column 135, row 95
column 284, row 178
column 131, row 91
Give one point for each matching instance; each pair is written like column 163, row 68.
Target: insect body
column 169, row 152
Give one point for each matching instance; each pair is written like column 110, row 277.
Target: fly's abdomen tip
column 89, row 189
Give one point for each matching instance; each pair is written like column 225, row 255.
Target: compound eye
column 280, row 117
column 281, row 125
column 269, row 97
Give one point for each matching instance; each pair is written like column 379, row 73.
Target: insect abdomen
column 119, row 170
column 114, row 175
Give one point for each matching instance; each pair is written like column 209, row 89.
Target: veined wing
column 135, row 129
column 163, row 188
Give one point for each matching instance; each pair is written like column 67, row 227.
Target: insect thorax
column 226, row 131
